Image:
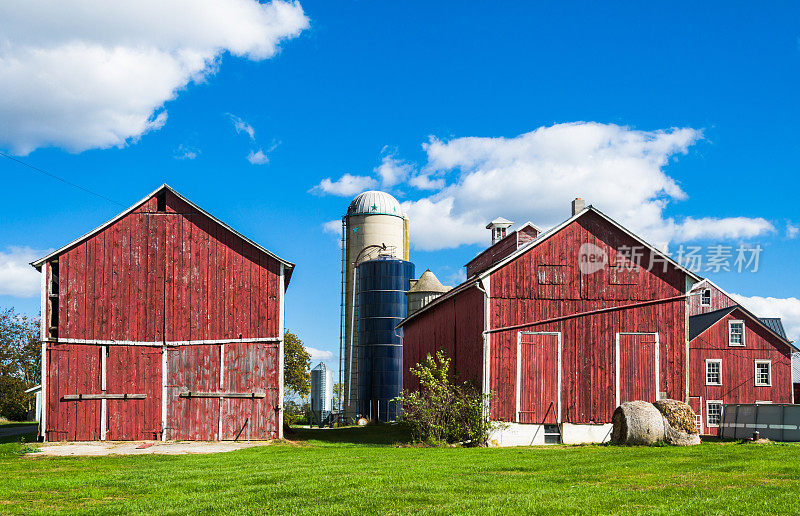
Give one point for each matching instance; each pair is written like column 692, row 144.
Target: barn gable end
column 162, row 301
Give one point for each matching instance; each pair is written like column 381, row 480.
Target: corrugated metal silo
column 321, row 393
column 382, row 285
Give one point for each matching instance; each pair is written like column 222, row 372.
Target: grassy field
column 360, row 471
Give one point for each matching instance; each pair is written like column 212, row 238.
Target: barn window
column 736, row 333
column 713, row 413
column 161, row 201
column 713, row 372
column 52, row 299
column 705, row 297
column 763, row 373
column 550, row 274
column 623, row 275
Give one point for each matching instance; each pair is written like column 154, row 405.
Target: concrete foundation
column 515, row 434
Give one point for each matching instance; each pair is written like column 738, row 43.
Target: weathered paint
column 738, row 365
column 545, row 283
column 152, row 283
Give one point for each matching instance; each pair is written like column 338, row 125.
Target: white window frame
column 730, row 327
column 769, row 373
column 703, row 301
column 718, row 361
column 708, row 413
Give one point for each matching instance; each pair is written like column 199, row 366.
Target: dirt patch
column 100, row 448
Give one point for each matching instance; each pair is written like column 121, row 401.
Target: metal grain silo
column 424, row 290
column 382, row 285
column 321, row 393
column 374, row 224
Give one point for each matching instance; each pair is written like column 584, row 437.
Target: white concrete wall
column 515, row 434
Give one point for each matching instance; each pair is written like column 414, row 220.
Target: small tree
column 296, row 364
column 20, row 362
column 443, row 410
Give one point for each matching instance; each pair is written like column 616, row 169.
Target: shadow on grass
column 383, row 434
column 30, row 437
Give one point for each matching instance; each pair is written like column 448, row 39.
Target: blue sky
column 476, row 110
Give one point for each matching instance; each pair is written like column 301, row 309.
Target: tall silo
column 321, row 393
column 382, row 285
column 373, row 220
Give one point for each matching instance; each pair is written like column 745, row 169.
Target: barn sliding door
column 250, row 369
column 133, row 386
column 636, row 367
column 539, row 377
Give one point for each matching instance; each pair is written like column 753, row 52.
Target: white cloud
column 424, row 181
column 319, row 354
column 392, row 171
column 345, row 186
column 727, row 228
column 535, row 175
column 792, row 231
column 257, row 158
column 242, row 127
column 184, row 152
column 788, row 309
column 96, row 74
column 17, row 277
column 333, row 226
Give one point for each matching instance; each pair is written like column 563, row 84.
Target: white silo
column 373, row 226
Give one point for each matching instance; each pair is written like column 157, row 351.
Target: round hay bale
column 679, row 438
column 679, row 415
column 637, row 422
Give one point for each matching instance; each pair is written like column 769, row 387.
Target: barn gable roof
column 287, row 264
column 698, row 324
column 475, row 280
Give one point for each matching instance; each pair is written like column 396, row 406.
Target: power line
column 70, row 183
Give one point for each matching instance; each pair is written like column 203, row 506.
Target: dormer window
column 705, row 297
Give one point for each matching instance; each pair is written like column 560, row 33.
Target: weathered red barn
column 163, row 323
column 734, row 356
column 563, row 329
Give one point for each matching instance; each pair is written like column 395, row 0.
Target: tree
column 296, row 365
column 443, row 410
column 20, row 362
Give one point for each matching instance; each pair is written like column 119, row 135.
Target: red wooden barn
column 562, row 329
column 734, row 356
column 163, row 323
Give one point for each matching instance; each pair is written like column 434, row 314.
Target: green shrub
column 443, row 410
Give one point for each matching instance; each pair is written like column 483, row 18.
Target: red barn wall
column 455, row 326
column 161, row 278
column 738, row 365
column 719, row 300
column 546, row 283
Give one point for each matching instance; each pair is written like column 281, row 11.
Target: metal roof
column 775, row 324
column 701, row 322
column 289, row 265
column 374, row 202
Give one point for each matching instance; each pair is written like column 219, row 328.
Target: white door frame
column 617, row 362
column 519, row 370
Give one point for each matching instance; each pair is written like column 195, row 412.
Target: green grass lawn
column 354, row 470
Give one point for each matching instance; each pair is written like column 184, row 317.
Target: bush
column 444, row 411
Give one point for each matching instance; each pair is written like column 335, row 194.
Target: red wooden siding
column 455, row 327
column 738, row 365
column 637, row 367
column 155, row 282
column 500, row 250
column 133, row 370
column 588, row 388
column 72, row 420
column 719, row 299
column 539, row 387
